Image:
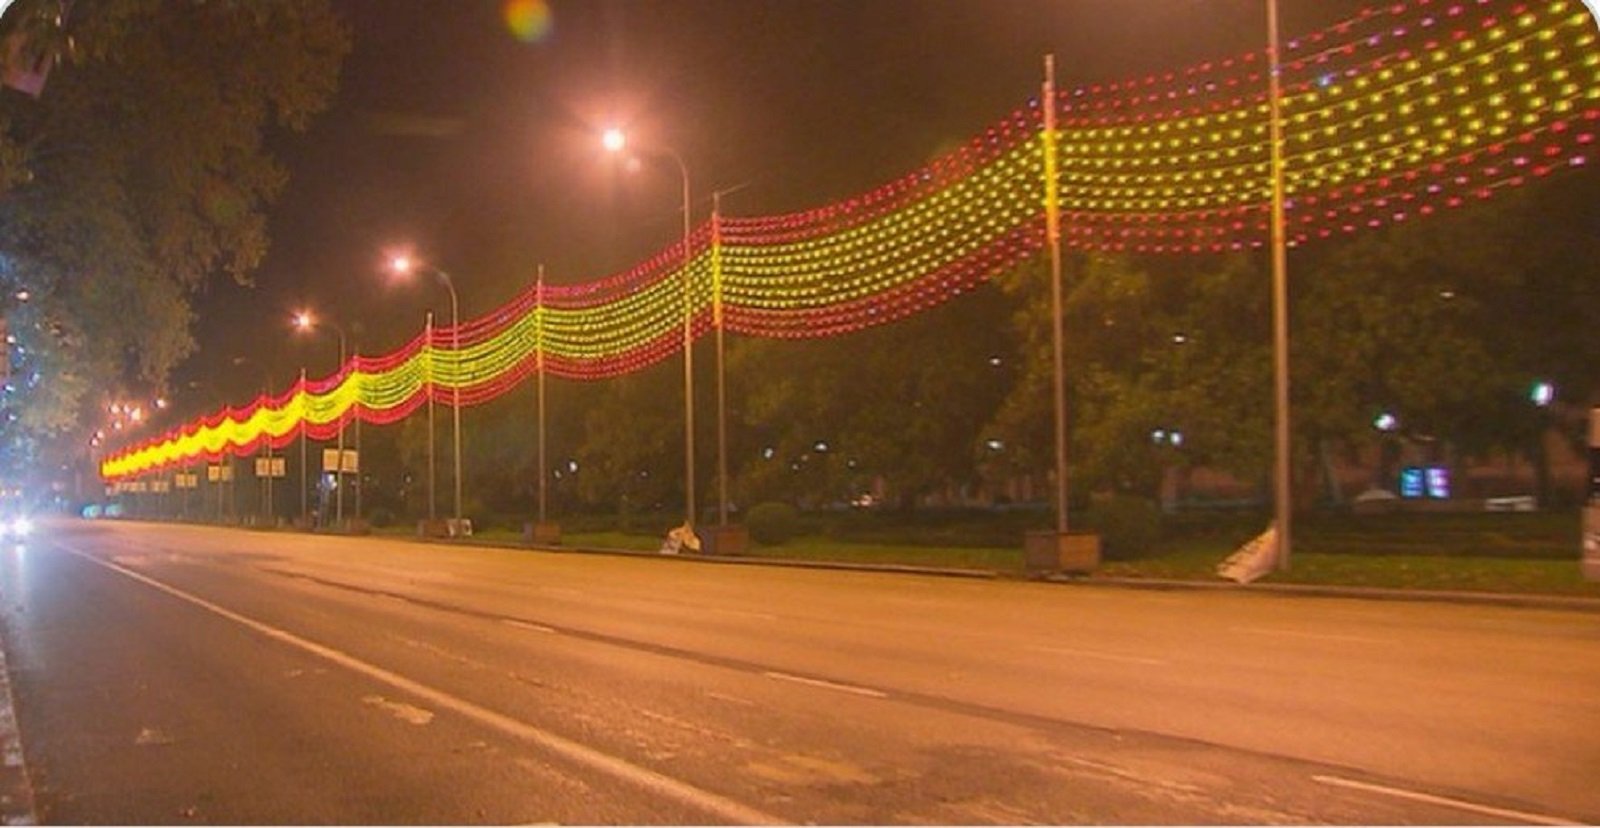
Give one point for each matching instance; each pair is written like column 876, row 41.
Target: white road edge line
column 1154, row 662
column 1487, row 810
column 20, row 809
column 828, row 685
column 527, row 625
column 622, row 769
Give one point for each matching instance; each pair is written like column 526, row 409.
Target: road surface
column 176, row 674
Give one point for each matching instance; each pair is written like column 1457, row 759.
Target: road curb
column 1501, row 599
column 16, row 791
column 744, row 560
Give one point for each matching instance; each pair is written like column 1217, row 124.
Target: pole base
column 355, row 526
column 727, row 541
column 1050, row 551
column 546, row 533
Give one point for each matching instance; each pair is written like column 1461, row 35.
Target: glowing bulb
column 613, row 140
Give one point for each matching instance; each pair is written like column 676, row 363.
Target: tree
column 140, row 174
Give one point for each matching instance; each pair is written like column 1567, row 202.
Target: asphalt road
column 167, row 674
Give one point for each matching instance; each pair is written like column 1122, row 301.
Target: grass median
column 1509, row 553
column 1513, row 553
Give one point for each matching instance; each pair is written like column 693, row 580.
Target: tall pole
column 305, row 436
column 267, row 439
column 722, row 384
column 455, row 403
column 1282, row 503
column 1052, row 213
column 357, row 357
column 338, row 466
column 688, row 355
column 538, row 341
column 433, row 511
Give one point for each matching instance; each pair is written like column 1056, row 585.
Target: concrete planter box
column 433, row 529
column 1049, row 551
column 547, row 533
column 727, row 541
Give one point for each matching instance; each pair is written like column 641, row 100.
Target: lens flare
column 528, row 20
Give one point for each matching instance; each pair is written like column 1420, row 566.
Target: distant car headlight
column 21, row 527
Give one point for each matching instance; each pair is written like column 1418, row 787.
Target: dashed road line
column 528, row 625
column 1354, row 639
column 828, row 685
column 1432, row 799
column 617, row 767
column 1126, row 659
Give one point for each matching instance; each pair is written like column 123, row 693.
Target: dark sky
column 451, row 135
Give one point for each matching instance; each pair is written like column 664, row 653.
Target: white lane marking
column 828, row 685
column 527, row 625
column 1357, row 639
column 763, row 616
column 1487, row 810
column 723, row 697
column 622, row 769
column 409, row 713
column 17, row 808
column 151, row 736
column 1073, row 651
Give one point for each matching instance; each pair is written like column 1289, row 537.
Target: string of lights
column 1394, row 114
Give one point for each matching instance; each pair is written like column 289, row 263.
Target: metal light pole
column 433, row 500
column 1052, row 202
column 722, row 379
column 356, row 356
column 455, row 402
column 305, row 503
column 404, row 265
column 1282, row 503
column 305, row 322
column 266, row 389
column 614, row 141
column 538, row 340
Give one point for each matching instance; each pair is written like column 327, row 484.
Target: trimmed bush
column 381, row 517
column 772, row 524
column 1129, row 526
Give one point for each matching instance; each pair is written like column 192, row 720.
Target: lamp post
column 1282, row 504
column 266, row 389
column 404, row 265
column 305, row 435
column 304, row 321
column 614, row 140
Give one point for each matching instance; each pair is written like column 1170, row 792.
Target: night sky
column 479, row 150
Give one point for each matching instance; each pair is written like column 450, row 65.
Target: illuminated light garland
column 1397, row 113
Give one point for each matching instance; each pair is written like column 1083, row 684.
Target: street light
column 403, row 266
column 1282, row 505
column 614, row 140
column 266, row 387
column 304, row 321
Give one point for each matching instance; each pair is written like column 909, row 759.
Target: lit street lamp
column 266, row 388
column 404, row 266
column 614, row 140
column 304, row 321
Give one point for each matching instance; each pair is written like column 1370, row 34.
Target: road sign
column 271, row 467
column 331, row 461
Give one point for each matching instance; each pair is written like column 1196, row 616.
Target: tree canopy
column 141, row 173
